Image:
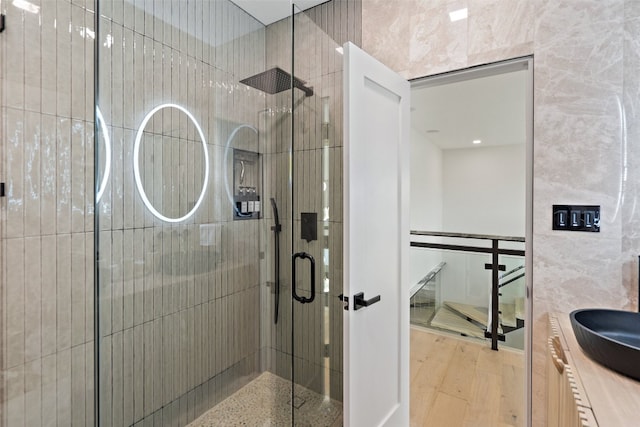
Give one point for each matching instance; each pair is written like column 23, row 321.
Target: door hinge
column 326, row 350
column 345, row 300
column 2, row 189
column 1, row 23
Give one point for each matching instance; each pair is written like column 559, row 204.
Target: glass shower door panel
column 317, row 214
column 179, row 276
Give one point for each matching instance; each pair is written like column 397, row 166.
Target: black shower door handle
column 297, row 297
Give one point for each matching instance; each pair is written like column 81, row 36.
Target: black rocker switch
column 575, row 216
column 589, row 218
column 560, row 219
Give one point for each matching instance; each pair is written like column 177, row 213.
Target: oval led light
column 227, row 150
column 136, row 167
column 107, row 154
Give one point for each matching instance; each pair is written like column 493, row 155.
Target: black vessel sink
column 610, row 337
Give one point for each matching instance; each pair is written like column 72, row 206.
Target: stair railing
column 512, row 271
column 426, row 279
column 509, row 280
column 495, row 250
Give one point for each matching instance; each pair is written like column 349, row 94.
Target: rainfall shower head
column 276, row 80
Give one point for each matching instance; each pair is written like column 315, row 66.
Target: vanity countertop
column 613, row 398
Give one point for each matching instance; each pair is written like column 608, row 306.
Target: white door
column 376, row 242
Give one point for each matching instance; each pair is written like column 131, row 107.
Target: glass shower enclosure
column 218, row 214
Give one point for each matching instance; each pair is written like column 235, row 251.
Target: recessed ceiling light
column 477, row 141
column 458, row 15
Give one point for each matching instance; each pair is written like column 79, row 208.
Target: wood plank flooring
column 457, row 382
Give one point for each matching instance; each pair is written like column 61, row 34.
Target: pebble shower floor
column 266, row 402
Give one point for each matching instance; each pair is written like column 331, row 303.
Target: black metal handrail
column 495, row 250
column 513, row 279
column 466, row 235
column 509, row 273
column 518, row 268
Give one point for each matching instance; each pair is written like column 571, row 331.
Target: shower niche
column 247, row 173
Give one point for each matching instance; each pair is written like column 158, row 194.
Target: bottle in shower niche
column 246, row 184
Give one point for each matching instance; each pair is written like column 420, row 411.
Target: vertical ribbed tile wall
column 318, row 32
column 179, row 304
column 46, row 153
column 180, row 327
column 179, row 315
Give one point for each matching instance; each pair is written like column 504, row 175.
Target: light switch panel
column 576, row 217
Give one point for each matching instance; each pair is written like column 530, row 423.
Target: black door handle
column 303, row 300
column 359, row 301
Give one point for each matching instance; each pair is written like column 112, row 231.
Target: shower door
column 364, row 242
column 312, row 264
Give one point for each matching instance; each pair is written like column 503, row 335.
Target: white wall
column 483, row 193
column 426, row 184
column 426, row 201
column 484, row 190
column 476, row 190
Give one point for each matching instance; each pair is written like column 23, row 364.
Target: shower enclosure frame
column 296, row 87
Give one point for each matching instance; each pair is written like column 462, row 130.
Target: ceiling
column 491, row 109
column 270, row 11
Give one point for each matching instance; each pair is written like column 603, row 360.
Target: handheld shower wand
column 277, row 228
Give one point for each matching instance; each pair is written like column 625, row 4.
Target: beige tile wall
column 170, row 305
column 180, row 312
column 630, row 153
column 47, row 215
column 168, row 347
column 585, row 62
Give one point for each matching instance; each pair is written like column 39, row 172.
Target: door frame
column 485, row 70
